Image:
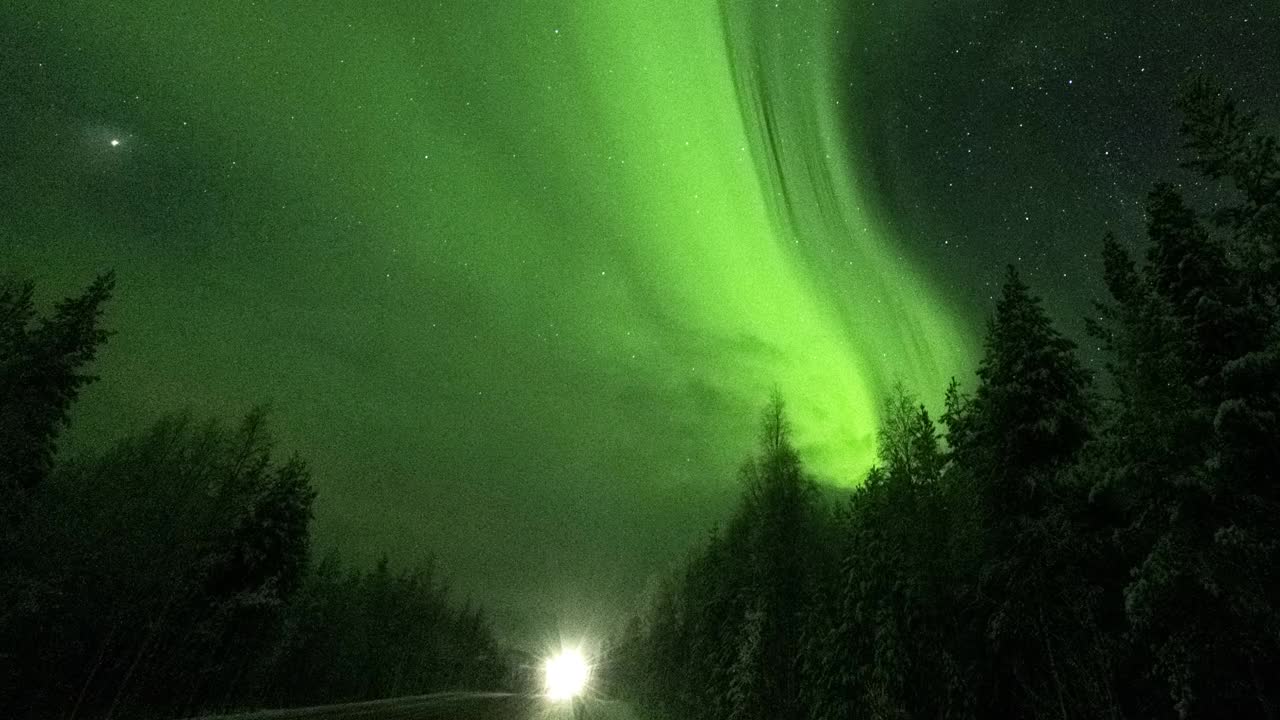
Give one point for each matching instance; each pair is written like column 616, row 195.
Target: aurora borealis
column 517, row 276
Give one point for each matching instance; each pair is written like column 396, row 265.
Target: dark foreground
column 453, row 706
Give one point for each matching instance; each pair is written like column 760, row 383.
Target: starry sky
column 516, row 277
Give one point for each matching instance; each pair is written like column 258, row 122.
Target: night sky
column 516, row 277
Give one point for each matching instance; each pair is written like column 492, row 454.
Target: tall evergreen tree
column 780, row 519
column 1031, row 410
column 724, row 638
column 1028, row 418
column 891, row 655
column 1191, row 450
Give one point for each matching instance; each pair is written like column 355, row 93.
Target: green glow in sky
column 510, row 273
column 740, row 216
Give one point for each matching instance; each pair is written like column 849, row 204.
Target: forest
column 1055, row 545
column 172, row 573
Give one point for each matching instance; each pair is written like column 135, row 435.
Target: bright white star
column 115, row 142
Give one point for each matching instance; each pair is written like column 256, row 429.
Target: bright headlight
column 566, row 675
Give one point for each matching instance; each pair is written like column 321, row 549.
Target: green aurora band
column 756, row 231
column 515, row 277
column 665, row 196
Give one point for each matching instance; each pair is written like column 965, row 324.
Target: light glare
column 566, row 675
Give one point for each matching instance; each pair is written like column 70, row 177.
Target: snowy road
column 442, row 706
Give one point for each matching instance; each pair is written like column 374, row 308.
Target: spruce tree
column 1191, row 451
column 895, row 620
column 1028, row 418
column 781, row 516
column 1031, row 410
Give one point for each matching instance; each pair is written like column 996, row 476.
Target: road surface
column 445, row 706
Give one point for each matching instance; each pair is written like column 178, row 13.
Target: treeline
column 1055, row 548
column 172, row 573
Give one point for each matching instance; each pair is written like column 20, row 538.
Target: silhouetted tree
column 42, row 363
column 780, row 515
column 1063, row 555
column 1028, row 418
column 364, row 634
column 161, row 565
column 1189, row 457
column 724, row 637
column 887, row 653
column 171, row 574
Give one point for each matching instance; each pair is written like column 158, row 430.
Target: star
column 115, row 142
